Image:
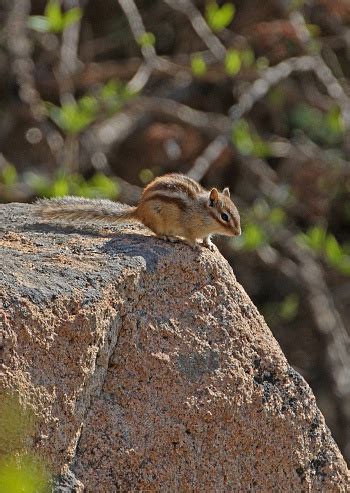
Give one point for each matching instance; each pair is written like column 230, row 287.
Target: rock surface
column 149, row 368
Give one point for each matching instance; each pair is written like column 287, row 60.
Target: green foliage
column 289, row 307
column 113, row 95
column 247, row 57
column 282, row 311
column 219, row 17
column 75, row 117
column 54, row 20
column 24, row 474
column 262, row 63
column 247, row 141
column 324, row 128
column 146, row 175
column 315, row 238
column 236, row 59
column 276, row 97
column 198, row 65
column 334, row 121
column 98, row 186
column 259, row 226
column 147, row 39
column 16, row 424
column 326, row 245
column 252, row 237
column 314, row 30
column 233, row 62
column 20, row 470
column 277, row 216
column 296, row 4
column 8, row 175
column 333, row 250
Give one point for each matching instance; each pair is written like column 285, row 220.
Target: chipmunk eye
column 224, row 217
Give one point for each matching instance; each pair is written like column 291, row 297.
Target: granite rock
column 148, row 368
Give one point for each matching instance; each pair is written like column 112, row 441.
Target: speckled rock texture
column 149, row 368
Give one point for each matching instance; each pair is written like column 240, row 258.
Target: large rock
column 149, row 368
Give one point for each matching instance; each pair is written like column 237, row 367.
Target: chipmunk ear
column 213, row 196
column 226, row 191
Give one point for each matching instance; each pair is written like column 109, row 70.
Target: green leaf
column 242, row 138
column 344, row 266
column 262, row 63
column 277, row 216
column 38, row 23
column 60, row 187
column 333, row 250
column 53, row 13
column 232, row 62
column 16, row 424
column 198, row 65
column 247, row 142
column 296, row 4
column 321, row 127
column 289, row 307
column 247, row 57
column 104, row 186
column 113, row 95
column 72, row 16
column 316, row 238
column 276, row 97
column 23, row 475
column 326, row 245
column 74, row 117
column 334, row 120
column 261, row 148
column 147, row 39
column 146, row 175
column 253, row 236
column 219, row 17
column 8, row 175
column 110, row 90
column 314, row 30
column 88, row 104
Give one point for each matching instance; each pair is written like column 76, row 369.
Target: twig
column 69, row 61
column 211, row 153
column 302, row 268
column 321, row 69
column 68, row 66
column 20, row 48
column 330, row 325
column 210, row 123
column 200, row 26
column 269, row 78
column 272, row 76
column 151, row 59
column 138, row 30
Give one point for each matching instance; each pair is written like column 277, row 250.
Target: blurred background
column 97, row 98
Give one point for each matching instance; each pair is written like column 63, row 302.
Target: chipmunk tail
column 79, row 209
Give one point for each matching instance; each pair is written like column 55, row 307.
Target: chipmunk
column 172, row 206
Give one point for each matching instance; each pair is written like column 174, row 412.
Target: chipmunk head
column 224, row 211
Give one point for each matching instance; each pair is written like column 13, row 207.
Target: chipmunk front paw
column 207, row 243
column 171, row 239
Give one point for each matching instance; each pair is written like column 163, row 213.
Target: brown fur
column 174, row 183
column 171, row 205
column 180, row 202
